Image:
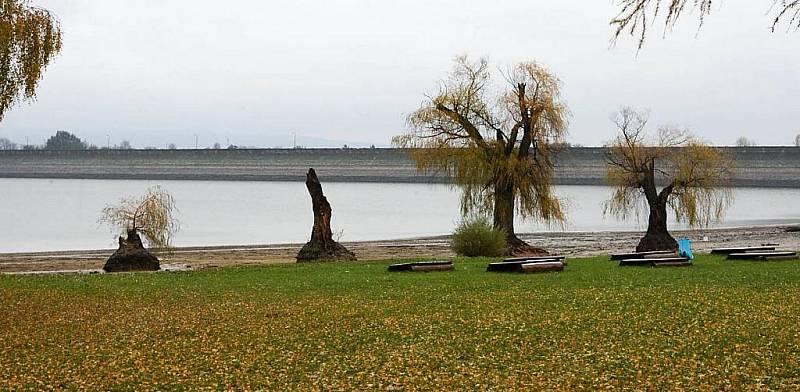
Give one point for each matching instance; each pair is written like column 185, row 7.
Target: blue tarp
column 685, row 248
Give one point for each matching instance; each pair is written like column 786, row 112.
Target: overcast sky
column 253, row 72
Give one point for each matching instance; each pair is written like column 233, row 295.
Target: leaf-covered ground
column 716, row 326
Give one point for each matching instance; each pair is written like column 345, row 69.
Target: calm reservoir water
column 41, row 214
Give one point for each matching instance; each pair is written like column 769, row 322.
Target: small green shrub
column 476, row 237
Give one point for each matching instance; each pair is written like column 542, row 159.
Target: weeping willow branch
column 29, row 40
column 786, row 10
column 635, row 17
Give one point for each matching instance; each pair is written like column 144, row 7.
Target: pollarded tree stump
column 131, row 256
column 322, row 247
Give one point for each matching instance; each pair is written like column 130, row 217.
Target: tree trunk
column 322, row 247
column 504, row 220
column 131, row 256
column 657, row 236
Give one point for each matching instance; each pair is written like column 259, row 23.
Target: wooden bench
column 746, row 249
column 534, row 268
column 662, row 262
column 543, row 259
column 765, row 256
column 426, row 266
column 515, row 266
column 540, row 258
column 640, row 255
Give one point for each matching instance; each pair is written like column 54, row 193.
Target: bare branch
column 636, row 16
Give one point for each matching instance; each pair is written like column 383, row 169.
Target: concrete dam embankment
column 755, row 166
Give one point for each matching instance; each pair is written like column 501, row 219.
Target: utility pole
column 294, row 143
column 108, row 141
column 196, row 145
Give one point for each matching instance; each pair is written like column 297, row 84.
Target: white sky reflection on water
column 42, row 214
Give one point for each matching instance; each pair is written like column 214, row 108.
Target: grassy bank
column 717, row 325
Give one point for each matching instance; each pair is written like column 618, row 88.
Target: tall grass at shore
column 717, row 325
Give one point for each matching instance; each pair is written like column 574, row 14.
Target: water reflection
column 62, row 214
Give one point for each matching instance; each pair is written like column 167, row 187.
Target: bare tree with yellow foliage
column 691, row 175
column 151, row 215
column 30, row 38
column 496, row 144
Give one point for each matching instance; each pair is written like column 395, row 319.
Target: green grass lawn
column 716, row 325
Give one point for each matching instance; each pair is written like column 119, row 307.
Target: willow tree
column 673, row 171
column 636, row 16
column 30, row 38
column 152, row 216
column 495, row 144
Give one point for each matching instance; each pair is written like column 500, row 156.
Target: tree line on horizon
column 64, row 140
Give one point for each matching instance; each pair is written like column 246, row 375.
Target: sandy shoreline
column 564, row 243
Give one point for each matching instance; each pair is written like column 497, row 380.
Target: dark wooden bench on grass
column 541, row 259
column 745, row 249
column 662, row 262
column 535, row 268
column 527, row 266
column 641, row 255
column 424, row 266
column 763, row 256
column 532, row 259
